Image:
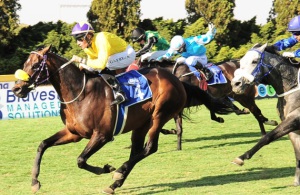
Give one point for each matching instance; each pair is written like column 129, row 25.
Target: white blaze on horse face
column 247, row 66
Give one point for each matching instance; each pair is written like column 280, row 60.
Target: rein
column 43, row 66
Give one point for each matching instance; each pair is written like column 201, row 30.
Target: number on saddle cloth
column 136, row 87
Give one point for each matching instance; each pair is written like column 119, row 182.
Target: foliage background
column 232, row 40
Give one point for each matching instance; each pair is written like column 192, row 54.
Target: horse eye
column 35, row 66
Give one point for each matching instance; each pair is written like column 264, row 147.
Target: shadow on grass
column 230, row 136
column 252, row 175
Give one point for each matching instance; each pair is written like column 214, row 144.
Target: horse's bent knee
column 81, row 162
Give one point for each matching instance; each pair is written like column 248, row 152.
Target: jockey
column 192, row 50
column 294, row 28
column 104, row 51
column 153, row 45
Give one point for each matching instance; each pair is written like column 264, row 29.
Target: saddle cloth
column 218, row 77
column 137, row 89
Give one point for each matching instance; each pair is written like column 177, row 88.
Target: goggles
column 296, row 33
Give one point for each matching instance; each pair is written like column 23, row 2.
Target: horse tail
column 197, row 97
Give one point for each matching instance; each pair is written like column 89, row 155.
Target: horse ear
column 47, row 49
column 255, row 45
column 263, row 47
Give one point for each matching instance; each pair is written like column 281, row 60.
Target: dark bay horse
column 223, row 91
column 262, row 64
column 215, row 106
column 86, row 111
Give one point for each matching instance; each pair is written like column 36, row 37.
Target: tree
column 285, row 10
column 116, row 16
column 8, row 24
column 219, row 12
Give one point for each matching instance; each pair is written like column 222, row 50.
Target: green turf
column 202, row 167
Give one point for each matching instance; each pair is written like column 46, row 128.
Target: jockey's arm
column 100, row 62
column 147, row 47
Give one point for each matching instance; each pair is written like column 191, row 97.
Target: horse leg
column 178, row 122
column 214, row 117
column 59, row 138
column 236, row 110
column 295, row 139
column 97, row 141
column 172, row 131
column 250, row 104
column 140, row 153
column 287, row 126
column 179, row 131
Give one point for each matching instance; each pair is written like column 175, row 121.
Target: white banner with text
column 42, row 102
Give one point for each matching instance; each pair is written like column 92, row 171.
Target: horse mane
column 273, row 50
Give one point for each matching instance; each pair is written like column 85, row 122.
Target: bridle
column 43, row 67
column 261, row 65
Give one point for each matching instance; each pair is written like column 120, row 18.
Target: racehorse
column 222, row 91
column 215, row 106
column 86, row 110
column 262, row 64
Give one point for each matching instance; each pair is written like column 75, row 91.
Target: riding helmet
column 294, row 24
column 177, row 43
column 81, row 29
column 138, row 34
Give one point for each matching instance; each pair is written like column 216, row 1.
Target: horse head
column 34, row 72
column 252, row 69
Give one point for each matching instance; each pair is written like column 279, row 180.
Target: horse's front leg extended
column 287, row 126
column 96, row 142
column 59, row 138
column 138, row 153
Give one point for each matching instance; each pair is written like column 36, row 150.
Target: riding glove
column 78, row 59
column 180, row 60
column 84, row 66
column 288, row 54
column 212, row 28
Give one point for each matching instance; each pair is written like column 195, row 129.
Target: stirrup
column 119, row 99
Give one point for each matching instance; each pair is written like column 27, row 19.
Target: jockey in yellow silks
column 104, row 50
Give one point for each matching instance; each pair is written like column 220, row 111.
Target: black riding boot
column 208, row 74
column 120, row 94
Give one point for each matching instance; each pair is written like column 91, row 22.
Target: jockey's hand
column 212, row 28
column 84, row 66
column 288, row 54
column 180, row 60
column 76, row 59
column 138, row 54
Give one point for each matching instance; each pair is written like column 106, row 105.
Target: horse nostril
column 237, row 84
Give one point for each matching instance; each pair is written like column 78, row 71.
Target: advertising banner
column 42, row 102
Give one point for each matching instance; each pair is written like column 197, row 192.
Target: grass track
column 202, row 167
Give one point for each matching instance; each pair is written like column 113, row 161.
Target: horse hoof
column 238, row 161
column 271, row 123
column 246, row 111
column 118, row 176
column 108, row 191
column 221, row 120
column 35, row 187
